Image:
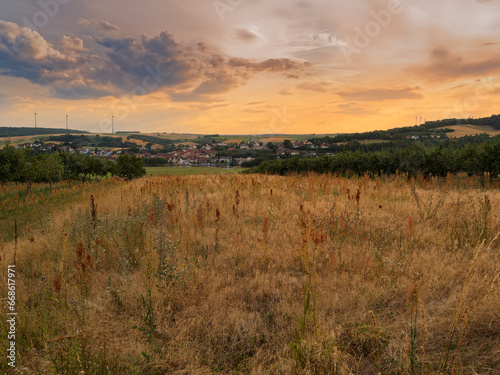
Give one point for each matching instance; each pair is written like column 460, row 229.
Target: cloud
column 250, row 110
column 320, row 87
column 120, row 65
column 71, row 45
column 3, row 101
column 381, row 94
column 444, row 65
column 270, row 65
column 354, row 110
column 24, row 53
column 246, row 35
column 195, row 72
column 99, row 25
column 285, row 92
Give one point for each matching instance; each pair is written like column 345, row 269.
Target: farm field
column 182, row 171
column 24, row 139
column 187, row 144
column 273, row 139
column 255, row 274
column 173, row 136
column 464, row 130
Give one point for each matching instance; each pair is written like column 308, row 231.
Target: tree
column 108, row 167
column 50, row 168
column 130, row 166
column 86, row 166
column 271, row 146
column 72, row 164
column 287, row 143
column 5, row 175
column 12, row 163
column 30, row 171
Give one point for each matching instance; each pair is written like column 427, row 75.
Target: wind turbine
column 112, row 124
column 67, row 122
column 35, row 118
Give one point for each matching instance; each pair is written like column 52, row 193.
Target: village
column 214, row 154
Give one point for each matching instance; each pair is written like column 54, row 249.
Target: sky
column 247, row 67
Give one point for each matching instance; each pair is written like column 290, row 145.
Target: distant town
column 212, row 154
column 174, row 149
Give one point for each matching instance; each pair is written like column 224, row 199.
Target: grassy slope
column 467, row 129
column 259, row 274
column 37, row 207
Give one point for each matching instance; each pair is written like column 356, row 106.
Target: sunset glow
column 247, row 67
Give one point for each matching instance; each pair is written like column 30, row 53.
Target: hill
column 468, row 129
column 454, row 128
column 22, row 132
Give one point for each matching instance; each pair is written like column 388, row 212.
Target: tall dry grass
column 250, row 274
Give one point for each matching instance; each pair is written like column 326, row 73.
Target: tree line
column 20, row 166
column 77, row 141
column 6, row 132
column 439, row 160
column 428, row 129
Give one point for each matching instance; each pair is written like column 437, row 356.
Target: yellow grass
column 26, row 139
column 464, row 130
column 233, row 141
column 136, row 141
column 174, row 136
column 260, row 274
column 274, row 140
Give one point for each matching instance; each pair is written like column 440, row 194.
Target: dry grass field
column 24, row 139
column 173, row 136
column 188, row 144
column 273, row 139
column 253, row 274
column 464, row 130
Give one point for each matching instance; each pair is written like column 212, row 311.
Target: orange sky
column 241, row 67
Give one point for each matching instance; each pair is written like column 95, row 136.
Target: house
column 225, row 159
column 242, row 160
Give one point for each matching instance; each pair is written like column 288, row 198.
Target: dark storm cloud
column 127, row 66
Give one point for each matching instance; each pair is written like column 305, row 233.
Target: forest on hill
column 77, row 141
column 21, row 132
column 427, row 130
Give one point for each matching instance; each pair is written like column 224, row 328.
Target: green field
column 184, row 171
